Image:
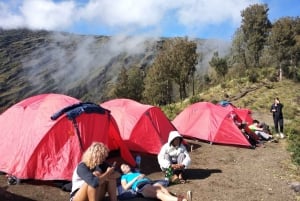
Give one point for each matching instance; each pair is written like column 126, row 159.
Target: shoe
column 274, row 140
column 277, row 135
column 189, row 195
column 281, row 135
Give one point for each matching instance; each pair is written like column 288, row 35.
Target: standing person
column 174, row 155
column 276, row 110
column 139, row 183
column 92, row 178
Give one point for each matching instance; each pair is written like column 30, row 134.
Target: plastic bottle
column 138, row 161
column 168, row 174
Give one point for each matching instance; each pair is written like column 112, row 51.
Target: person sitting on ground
column 146, row 187
column 259, row 131
column 174, row 155
column 92, row 178
column 251, row 136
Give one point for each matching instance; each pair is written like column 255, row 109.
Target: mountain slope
column 34, row 62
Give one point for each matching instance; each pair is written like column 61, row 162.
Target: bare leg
column 162, row 188
column 156, row 192
column 101, row 190
column 85, row 193
column 111, row 189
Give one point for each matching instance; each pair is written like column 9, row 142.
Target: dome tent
column 209, row 122
column 34, row 146
column 144, row 128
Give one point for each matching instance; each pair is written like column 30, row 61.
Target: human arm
column 162, row 161
column 85, row 174
column 253, row 127
column 280, row 106
column 107, row 175
column 272, row 109
column 106, row 172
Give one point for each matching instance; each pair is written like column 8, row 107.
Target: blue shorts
column 140, row 187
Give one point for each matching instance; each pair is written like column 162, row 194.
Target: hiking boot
column 281, row 135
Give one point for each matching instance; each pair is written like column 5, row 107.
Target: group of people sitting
column 94, row 177
column 256, row 132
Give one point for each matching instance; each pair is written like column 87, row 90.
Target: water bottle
column 168, row 174
column 138, row 160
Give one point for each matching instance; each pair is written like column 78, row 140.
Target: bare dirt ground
column 217, row 173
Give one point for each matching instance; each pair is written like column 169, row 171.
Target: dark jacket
column 278, row 113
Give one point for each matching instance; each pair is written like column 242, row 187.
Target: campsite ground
column 218, row 173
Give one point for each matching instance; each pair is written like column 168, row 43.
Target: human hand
column 110, row 170
column 177, row 166
column 141, row 176
column 97, row 173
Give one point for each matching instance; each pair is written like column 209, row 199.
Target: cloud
column 199, row 13
column 121, row 16
column 46, row 14
column 37, row 14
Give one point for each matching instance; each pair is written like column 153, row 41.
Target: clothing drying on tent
column 209, row 122
column 44, row 136
column 144, row 128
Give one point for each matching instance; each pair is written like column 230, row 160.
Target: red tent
column 209, row 122
column 44, row 136
column 144, row 128
column 243, row 113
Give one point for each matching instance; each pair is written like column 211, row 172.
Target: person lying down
column 148, row 188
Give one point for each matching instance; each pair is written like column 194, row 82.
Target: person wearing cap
column 174, row 155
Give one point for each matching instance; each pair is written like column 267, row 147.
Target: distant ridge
column 81, row 66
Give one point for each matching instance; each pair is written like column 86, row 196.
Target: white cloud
column 120, row 15
column 195, row 12
column 46, row 14
column 37, row 14
column 8, row 19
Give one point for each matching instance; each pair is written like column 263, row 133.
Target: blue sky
column 169, row 18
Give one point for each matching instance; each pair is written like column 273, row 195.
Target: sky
column 207, row 19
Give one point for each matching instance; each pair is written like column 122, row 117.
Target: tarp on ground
column 34, row 146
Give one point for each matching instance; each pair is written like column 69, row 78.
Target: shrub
column 194, row 99
column 294, row 145
column 253, row 76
